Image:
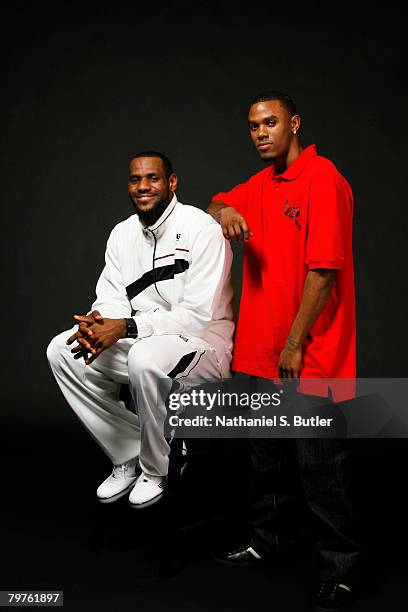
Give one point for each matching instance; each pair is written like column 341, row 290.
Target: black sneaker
column 243, row 557
column 331, row 597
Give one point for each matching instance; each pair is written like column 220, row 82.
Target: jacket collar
column 298, row 165
column 163, row 220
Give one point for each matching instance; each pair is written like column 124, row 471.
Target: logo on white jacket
column 178, row 236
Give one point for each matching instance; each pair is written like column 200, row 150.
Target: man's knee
column 56, row 348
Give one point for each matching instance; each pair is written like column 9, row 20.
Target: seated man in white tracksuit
column 163, row 311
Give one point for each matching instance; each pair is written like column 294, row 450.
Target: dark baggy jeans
column 323, row 470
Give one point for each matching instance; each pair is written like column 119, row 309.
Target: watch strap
column 131, row 328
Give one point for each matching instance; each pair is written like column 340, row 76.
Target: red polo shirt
column 301, row 220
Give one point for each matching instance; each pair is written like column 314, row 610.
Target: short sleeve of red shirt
column 329, row 218
column 236, row 197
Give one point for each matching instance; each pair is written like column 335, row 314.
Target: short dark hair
column 286, row 100
column 168, row 166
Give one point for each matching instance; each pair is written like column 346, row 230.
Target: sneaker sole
column 148, row 503
column 241, row 564
column 109, row 500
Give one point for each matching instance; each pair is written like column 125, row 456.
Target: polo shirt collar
column 298, row 165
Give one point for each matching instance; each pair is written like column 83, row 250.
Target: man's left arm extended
column 316, row 292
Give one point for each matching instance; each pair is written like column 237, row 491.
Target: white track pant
column 93, row 391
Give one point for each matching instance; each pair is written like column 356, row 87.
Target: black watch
column 131, row 328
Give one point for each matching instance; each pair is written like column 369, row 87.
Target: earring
column 294, row 131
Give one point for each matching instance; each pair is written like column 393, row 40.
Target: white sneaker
column 121, row 480
column 147, row 490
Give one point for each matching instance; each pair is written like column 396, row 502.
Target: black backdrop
column 89, row 84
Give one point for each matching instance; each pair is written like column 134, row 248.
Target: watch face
column 131, row 328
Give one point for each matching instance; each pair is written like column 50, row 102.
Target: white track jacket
column 173, row 277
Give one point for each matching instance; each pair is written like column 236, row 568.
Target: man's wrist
column 214, row 209
column 130, row 328
column 292, row 343
column 216, row 214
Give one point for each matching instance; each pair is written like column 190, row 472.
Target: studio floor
column 55, row 536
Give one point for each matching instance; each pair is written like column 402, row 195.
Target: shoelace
column 119, row 471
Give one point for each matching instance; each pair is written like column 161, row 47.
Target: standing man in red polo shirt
column 296, row 320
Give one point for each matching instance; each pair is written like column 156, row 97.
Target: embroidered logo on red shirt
column 293, row 213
